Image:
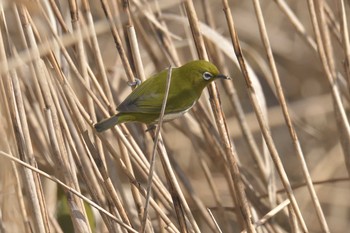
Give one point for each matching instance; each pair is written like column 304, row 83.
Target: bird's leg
column 136, row 83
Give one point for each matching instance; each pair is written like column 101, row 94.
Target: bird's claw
column 136, row 83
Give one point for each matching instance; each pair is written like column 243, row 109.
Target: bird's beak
column 222, row 76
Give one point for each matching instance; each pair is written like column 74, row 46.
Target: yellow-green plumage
column 145, row 102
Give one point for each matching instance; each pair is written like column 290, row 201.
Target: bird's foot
column 136, row 83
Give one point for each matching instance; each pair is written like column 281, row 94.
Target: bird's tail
column 106, row 123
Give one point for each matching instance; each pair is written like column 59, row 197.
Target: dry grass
column 266, row 152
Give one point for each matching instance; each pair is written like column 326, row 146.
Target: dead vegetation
column 266, row 152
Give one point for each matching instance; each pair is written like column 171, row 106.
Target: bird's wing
column 147, row 103
column 145, row 98
column 149, row 99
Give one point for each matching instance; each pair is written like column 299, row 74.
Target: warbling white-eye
column 145, row 102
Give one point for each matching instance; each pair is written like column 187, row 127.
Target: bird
column 144, row 103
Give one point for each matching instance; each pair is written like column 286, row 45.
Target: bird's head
column 201, row 73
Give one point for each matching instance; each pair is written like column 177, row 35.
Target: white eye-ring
column 207, row 75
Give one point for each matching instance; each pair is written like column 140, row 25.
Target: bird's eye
column 207, row 75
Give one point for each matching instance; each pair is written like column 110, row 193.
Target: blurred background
column 65, row 65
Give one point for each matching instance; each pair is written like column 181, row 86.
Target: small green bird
column 145, row 102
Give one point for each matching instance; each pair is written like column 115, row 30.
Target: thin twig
column 118, row 41
column 68, row 188
column 214, row 220
column 323, row 45
column 293, row 134
column 221, row 121
column 272, row 213
column 262, row 122
column 152, row 161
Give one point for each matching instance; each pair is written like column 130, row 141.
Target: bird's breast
column 174, row 115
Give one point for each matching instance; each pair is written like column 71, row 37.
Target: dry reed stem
column 225, row 47
column 118, row 41
column 20, row 124
column 61, row 157
column 346, row 46
column 76, row 70
column 114, row 196
column 134, row 182
column 272, row 213
column 216, row 194
column 345, row 37
column 230, row 89
column 20, row 127
column 282, row 100
column 207, row 129
column 216, row 224
column 215, row 149
column 66, row 187
column 220, row 121
column 180, row 204
column 135, row 51
column 97, row 52
column 299, row 27
column 323, row 44
column 153, row 157
column 101, row 171
column 262, row 122
column 170, row 50
column 218, row 59
column 152, row 19
column 83, row 164
column 191, row 192
column 84, row 70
